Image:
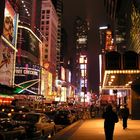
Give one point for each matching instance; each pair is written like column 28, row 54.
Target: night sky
column 94, row 11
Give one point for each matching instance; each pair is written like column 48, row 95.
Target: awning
column 119, row 79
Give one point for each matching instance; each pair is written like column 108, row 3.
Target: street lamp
column 84, row 86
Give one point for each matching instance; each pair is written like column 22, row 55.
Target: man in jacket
column 124, row 113
column 109, row 123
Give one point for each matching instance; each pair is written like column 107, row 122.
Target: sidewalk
column 93, row 129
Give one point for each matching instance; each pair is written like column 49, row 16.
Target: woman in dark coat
column 124, row 113
column 110, row 119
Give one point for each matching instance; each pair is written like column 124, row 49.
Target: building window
column 48, row 11
column 46, row 50
column 47, row 22
column 42, row 22
column 43, row 11
column 43, row 16
column 46, row 56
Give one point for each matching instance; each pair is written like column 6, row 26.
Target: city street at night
column 93, row 129
column 68, row 65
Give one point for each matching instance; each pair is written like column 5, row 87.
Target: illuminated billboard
column 10, row 23
column 63, row 76
column 109, row 46
column 27, row 78
column 7, row 45
column 6, row 63
column 68, row 75
column 27, row 72
column 28, row 46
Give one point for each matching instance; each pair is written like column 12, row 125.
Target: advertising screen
column 6, row 63
column 68, row 75
column 63, row 73
column 27, row 78
column 7, row 45
column 28, row 47
column 10, row 23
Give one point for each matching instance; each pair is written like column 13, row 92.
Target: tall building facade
column 58, row 4
column 124, row 21
column 81, row 47
column 49, row 30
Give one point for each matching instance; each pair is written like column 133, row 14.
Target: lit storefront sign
column 109, row 46
column 119, row 79
column 6, row 99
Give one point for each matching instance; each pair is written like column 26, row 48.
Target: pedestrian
column 109, row 123
column 92, row 111
column 124, row 114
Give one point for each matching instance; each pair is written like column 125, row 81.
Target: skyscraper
column 81, row 47
column 49, row 28
column 58, row 4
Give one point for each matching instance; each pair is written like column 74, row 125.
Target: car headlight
column 9, row 114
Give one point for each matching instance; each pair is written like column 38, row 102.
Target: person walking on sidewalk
column 124, row 114
column 109, row 123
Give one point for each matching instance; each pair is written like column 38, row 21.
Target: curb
column 66, row 129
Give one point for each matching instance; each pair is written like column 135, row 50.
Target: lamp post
column 84, row 86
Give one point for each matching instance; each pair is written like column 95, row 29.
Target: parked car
column 36, row 124
column 75, row 114
column 63, row 117
column 51, row 114
column 21, row 109
column 8, row 129
column 9, row 109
